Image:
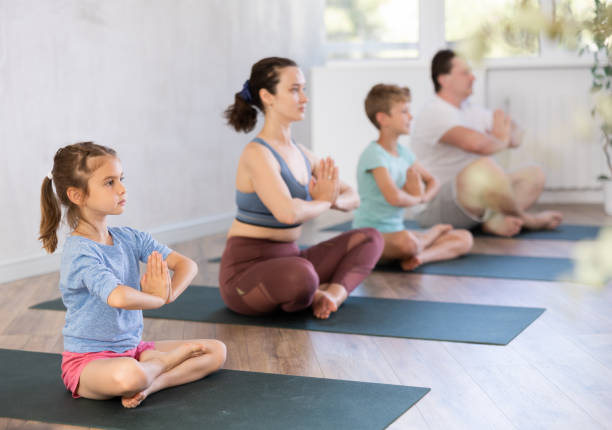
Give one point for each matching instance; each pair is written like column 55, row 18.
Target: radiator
column 553, row 106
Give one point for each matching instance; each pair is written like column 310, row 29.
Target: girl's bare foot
column 135, row 400
column 411, row 263
column 173, row 358
column 327, row 299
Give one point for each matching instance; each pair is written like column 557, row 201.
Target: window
column 465, row 17
column 577, row 10
column 364, row 29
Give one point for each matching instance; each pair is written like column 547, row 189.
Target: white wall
column 149, row 78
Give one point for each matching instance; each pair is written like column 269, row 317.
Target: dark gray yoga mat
column 228, row 399
column 413, row 319
column 495, row 266
column 570, row 232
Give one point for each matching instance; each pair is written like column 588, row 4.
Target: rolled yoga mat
column 495, row 266
column 571, row 232
column 228, row 399
column 413, row 319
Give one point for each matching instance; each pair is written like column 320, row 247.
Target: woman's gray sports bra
column 252, row 211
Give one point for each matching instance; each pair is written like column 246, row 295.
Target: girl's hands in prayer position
column 156, row 280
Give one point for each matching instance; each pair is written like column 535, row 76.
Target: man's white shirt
column 442, row 160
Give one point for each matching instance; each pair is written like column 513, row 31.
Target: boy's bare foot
column 430, row 235
column 135, row 400
column 546, row 220
column 173, row 358
column 327, row 299
column 411, row 263
column 503, row 225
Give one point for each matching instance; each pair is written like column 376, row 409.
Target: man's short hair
column 381, row 97
column 441, row 64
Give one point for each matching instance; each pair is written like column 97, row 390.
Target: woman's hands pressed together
column 325, row 183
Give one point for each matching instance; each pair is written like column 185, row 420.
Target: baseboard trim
column 39, row 264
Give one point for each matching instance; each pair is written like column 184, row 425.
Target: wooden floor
column 557, row 374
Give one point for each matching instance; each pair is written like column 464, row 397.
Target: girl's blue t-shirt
column 89, row 272
column 374, row 210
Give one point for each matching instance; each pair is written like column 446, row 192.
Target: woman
column 280, row 185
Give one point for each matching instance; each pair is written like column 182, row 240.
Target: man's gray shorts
column 444, row 209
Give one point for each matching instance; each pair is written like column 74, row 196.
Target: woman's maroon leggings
column 258, row 275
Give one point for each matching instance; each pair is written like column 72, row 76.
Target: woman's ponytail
column 241, row 115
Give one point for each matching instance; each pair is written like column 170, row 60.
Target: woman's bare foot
column 135, row 400
column 173, row 358
column 411, row 263
column 546, row 220
column 503, row 225
column 327, row 299
column 323, row 304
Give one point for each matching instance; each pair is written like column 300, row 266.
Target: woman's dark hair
column 242, row 115
column 441, row 64
column 71, row 168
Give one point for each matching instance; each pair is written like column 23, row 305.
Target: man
column 454, row 139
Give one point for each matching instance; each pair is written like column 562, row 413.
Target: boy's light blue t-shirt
column 88, row 273
column 374, row 210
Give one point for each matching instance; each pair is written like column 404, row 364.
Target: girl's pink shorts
column 74, row 362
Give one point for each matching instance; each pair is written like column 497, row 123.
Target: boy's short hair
column 381, row 98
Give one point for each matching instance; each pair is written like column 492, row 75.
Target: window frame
column 432, row 38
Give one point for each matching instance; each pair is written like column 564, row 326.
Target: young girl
column 102, row 290
column 390, row 180
column 279, row 185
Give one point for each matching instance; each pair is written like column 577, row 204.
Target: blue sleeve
column 145, row 245
column 94, row 274
column 372, row 158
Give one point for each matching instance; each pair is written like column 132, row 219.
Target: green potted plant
column 600, row 28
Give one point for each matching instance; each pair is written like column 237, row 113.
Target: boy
column 389, row 179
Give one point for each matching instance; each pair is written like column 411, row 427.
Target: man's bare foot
column 135, row 400
column 503, row 225
column 411, row 263
column 327, row 299
column 173, row 358
column 546, row 220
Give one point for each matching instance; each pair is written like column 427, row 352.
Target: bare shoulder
column 256, row 152
column 312, row 158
